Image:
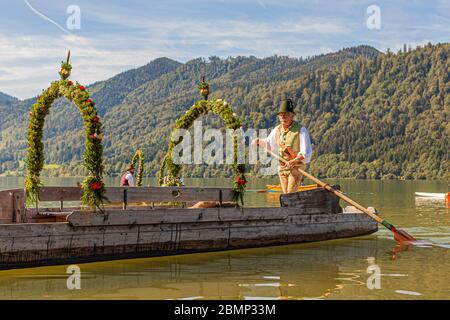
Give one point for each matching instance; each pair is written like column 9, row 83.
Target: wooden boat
column 45, row 236
column 433, row 195
column 277, row 187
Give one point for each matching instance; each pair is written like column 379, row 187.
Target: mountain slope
column 370, row 115
column 112, row 91
column 6, row 99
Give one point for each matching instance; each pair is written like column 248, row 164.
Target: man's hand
column 292, row 163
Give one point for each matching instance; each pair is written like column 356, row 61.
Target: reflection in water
column 335, row 269
column 399, row 247
column 427, row 204
column 286, row 272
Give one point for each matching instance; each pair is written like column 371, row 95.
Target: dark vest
column 123, row 180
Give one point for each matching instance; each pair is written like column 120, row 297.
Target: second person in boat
column 127, row 179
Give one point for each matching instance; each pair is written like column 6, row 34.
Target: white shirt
column 130, row 179
column 305, row 143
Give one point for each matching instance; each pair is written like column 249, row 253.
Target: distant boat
column 433, row 195
column 277, row 187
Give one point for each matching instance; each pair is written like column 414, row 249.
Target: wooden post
column 124, row 206
column 61, row 205
column 14, row 215
column 17, row 206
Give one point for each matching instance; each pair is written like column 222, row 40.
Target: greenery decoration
column 204, row 88
column 201, row 108
column 93, row 186
column 139, row 159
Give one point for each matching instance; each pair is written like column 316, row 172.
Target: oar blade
column 402, row 236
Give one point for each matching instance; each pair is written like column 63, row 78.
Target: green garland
column 201, row 108
column 93, row 186
column 139, row 155
column 204, row 89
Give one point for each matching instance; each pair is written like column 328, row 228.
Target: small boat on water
column 277, row 187
column 433, row 195
column 166, row 224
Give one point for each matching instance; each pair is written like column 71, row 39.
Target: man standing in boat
column 293, row 144
column 127, row 179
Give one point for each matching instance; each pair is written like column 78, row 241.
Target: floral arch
column 202, row 108
column 93, row 186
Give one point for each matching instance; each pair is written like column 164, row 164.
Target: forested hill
column 6, row 99
column 370, row 115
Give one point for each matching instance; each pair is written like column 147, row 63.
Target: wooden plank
column 169, row 194
column 165, row 216
column 137, row 194
column 60, row 193
column 11, row 205
column 314, row 201
column 249, row 214
column 6, row 207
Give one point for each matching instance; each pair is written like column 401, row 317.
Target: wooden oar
column 399, row 235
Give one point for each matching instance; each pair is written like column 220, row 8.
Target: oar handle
column 336, row 192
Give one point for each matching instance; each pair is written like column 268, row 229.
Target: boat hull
column 431, row 195
column 89, row 236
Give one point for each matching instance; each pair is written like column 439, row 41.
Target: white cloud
column 29, row 63
column 116, row 37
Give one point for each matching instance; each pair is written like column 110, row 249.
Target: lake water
column 337, row 269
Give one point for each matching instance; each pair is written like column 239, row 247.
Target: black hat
column 287, row 106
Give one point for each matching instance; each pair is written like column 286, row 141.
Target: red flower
column 240, row 181
column 39, row 98
column 81, row 88
column 96, row 119
column 96, row 185
column 69, row 83
column 96, row 136
column 89, row 100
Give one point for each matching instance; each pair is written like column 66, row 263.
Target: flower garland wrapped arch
column 139, row 159
column 201, row 108
column 93, row 186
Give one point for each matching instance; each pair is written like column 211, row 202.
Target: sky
column 107, row 37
